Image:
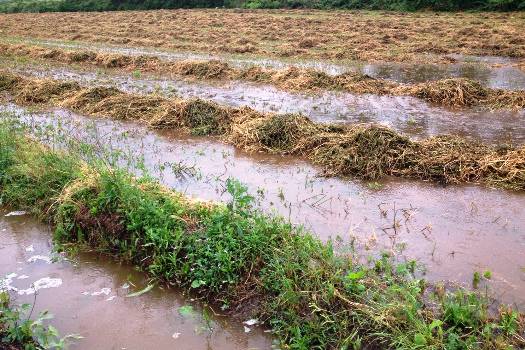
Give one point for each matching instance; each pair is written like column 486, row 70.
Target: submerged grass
column 455, row 92
column 365, row 151
column 245, row 261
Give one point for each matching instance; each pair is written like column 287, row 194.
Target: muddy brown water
column 491, row 71
column 89, row 298
column 453, row 231
column 405, row 114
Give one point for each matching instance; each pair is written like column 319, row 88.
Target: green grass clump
column 19, row 331
column 244, row 261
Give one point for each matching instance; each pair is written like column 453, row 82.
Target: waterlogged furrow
column 453, row 231
column 363, row 151
column 448, row 92
column 404, row 114
column 492, row 71
column 265, row 266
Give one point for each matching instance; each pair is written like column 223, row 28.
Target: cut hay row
column 453, row 92
column 423, row 37
column 364, row 151
column 245, row 263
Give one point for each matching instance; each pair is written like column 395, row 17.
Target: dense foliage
column 399, row 5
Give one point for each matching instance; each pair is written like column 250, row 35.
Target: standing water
column 89, row 296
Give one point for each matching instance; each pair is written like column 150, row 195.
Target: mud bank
column 264, row 265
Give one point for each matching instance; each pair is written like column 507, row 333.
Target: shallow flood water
column 453, row 230
column 494, row 72
column 405, row 114
column 88, row 297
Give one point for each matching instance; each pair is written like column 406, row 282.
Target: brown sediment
column 364, row 151
column 454, row 92
column 363, row 35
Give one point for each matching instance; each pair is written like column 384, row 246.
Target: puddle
column 106, row 318
column 493, row 72
column 405, row 114
column 453, row 230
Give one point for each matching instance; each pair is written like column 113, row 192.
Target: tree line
column 396, row 5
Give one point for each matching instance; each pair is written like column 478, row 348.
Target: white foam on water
column 43, row 283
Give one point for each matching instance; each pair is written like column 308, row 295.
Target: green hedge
column 399, row 5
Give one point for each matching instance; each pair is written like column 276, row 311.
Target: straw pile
column 43, row 91
column 272, row 133
column 451, row 92
column 364, row 151
column 203, row 69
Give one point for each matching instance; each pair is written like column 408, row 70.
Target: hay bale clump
column 449, row 159
column 303, row 79
column 368, row 152
column 81, row 56
column 8, row 81
column 307, row 43
column 50, row 54
column 113, row 60
column 454, row 92
column 203, row 117
column 505, row 169
column 89, row 97
column 278, row 133
column 506, row 99
column 43, row 90
column 213, row 69
column 146, row 62
column 254, row 73
column 364, row 84
column 129, row 107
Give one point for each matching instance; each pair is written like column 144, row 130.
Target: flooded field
column 452, row 231
column 490, row 71
column 405, row 114
column 89, row 296
column 277, row 179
